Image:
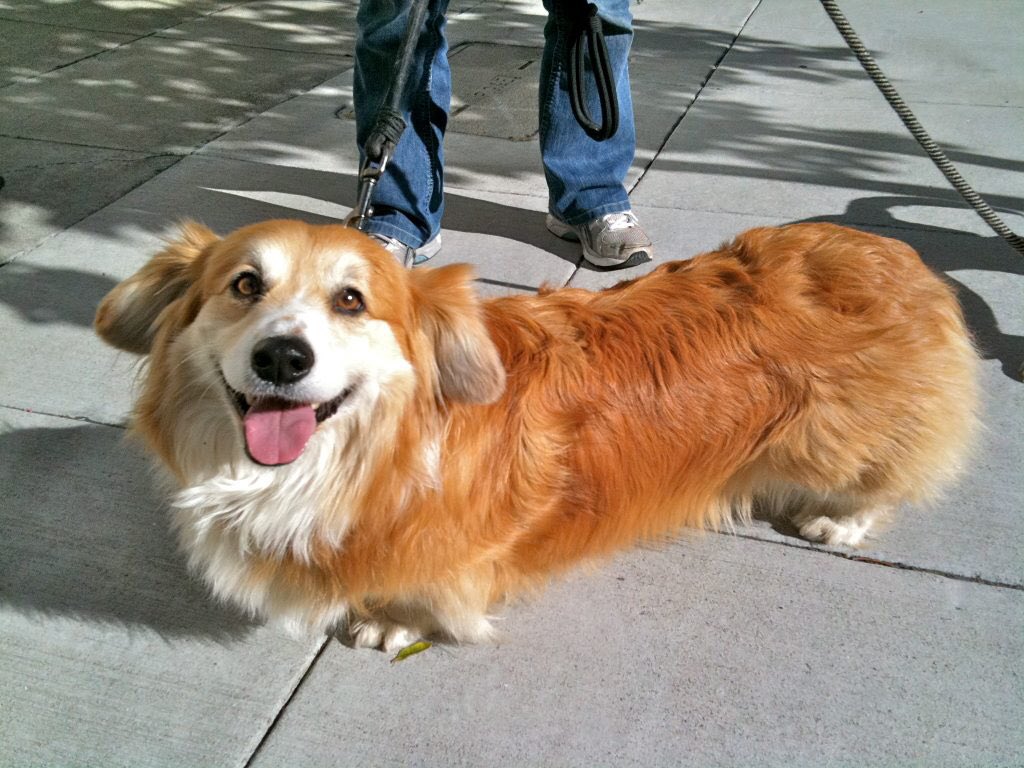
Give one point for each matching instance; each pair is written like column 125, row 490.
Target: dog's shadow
column 85, row 537
column 779, row 522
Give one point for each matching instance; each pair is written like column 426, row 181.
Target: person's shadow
column 947, row 250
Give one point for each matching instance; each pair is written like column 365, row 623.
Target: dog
column 357, row 445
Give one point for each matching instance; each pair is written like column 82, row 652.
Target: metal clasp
column 369, row 174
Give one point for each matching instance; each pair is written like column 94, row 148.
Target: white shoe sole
column 419, row 255
column 427, row 251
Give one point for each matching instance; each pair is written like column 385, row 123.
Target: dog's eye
column 247, row 285
column 349, row 301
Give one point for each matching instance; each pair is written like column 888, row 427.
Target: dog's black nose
column 282, row 359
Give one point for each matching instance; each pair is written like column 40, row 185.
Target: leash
column 580, row 24
column 942, row 162
column 389, row 125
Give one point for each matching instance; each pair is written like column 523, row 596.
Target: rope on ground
column 939, row 157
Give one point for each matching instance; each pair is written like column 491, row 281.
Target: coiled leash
column 942, row 162
column 579, row 22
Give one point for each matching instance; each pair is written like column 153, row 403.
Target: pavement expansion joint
column 696, row 96
column 66, row 417
column 854, row 557
column 324, row 644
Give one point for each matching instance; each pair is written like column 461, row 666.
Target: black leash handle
column 588, row 29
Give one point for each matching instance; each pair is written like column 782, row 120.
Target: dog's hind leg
column 864, row 449
column 836, row 519
column 839, row 521
column 838, row 484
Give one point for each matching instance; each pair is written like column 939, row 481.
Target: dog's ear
column 468, row 365
column 126, row 318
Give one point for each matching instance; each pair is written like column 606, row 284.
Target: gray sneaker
column 407, row 255
column 612, row 240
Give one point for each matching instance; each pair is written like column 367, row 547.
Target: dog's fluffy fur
column 478, row 447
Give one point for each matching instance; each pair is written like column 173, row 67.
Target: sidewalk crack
column 288, row 700
column 696, row 96
column 853, row 557
column 67, row 417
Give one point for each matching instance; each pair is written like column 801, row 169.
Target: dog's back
column 813, row 370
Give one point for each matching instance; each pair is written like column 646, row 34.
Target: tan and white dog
column 357, row 442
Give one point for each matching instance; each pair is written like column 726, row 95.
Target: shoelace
column 623, row 220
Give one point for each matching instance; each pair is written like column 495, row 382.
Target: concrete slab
column 510, row 22
column 303, row 132
column 789, row 104
column 716, row 652
column 738, row 148
column 225, row 194
column 669, row 15
column 31, row 49
column 50, row 296
column 138, row 18
column 491, row 98
column 520, row 22
column 504, row 238
column 158, row 94
column 317, row 130
column 303, row 26
column 109, row 654
column 983, row 143
column 911, row 43
column 48, row 187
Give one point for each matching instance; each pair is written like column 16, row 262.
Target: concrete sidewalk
column 116, row 119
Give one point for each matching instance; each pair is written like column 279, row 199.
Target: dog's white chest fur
column 247, row 514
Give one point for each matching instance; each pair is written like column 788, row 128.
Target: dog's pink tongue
column 276, row 435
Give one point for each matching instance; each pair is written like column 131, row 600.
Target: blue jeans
column 584, row 177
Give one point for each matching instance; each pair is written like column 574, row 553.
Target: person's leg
column 585, row 177
column 409, row 198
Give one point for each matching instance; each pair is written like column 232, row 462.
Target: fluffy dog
column 354, row 441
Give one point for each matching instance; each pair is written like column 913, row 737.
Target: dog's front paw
column 381, row 634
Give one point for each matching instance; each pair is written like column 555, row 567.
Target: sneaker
column 612, row 240
column 407, row 255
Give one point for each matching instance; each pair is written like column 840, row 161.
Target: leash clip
column 369, row 174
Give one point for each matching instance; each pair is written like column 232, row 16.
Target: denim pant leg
column 409, row 198
column 585, row 177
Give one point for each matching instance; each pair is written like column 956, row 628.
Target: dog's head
column 287, row 327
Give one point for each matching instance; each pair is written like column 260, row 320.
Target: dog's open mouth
column 276, row 430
